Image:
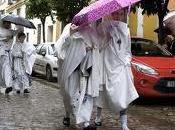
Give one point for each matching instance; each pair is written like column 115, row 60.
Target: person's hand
column 73, row 28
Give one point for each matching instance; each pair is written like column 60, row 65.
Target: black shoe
column 18, row 92
column 90, row 128
column 26, row 91
column 8, row 90
column 66, row 121
column 98, row 123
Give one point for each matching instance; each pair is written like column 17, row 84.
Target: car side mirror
column 43, row 53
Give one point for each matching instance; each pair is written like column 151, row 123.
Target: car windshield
column 53, row 47
column 144, row 47
column 52, row 52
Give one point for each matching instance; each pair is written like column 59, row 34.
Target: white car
column 46, row 61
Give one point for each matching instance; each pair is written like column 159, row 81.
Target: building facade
column 34, row 36
column 3, row 6
column 140, row 25
column 143, row 26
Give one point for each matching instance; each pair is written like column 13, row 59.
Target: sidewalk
column 43, row 109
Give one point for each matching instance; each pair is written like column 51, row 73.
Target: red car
column 153, row 69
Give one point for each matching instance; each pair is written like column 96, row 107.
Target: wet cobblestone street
column 43, row 109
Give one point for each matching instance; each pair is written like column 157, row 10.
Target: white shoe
column 125, row 128
column 98, row 122
column 124, row 122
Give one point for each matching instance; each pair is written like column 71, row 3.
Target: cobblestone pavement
column 43, row 109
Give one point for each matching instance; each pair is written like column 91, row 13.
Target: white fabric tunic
column 22, row 67
column 119, row 90
column 80, row 66
column 7, row 38
column 5, row 64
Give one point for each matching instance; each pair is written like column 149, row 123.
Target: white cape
column 7, row 39
column 30, row 56
column 119, row 90
column 75, row 64
column 59, row 44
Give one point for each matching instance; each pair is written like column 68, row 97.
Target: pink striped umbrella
column 100, row 9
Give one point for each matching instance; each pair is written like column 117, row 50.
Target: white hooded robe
column 80, row 86
column 118, row 91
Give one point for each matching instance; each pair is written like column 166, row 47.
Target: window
column 38, row 48
column 51, row 49
column 10, row 2
column 2, row 12
column 19, row 11
column 144, row 47
column 50, row 34
column 43, row 49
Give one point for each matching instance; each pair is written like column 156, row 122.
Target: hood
column 156, row 62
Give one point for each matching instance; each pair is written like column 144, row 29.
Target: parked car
column 153, row 69
column 46, row 61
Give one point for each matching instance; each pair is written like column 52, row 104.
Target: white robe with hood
column 118, row 91
column 80, row 86
column 23, row 55
column 6, row 40
column 60, row 51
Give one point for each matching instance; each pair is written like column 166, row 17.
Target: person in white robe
column 23, row 57
column 7, row 37
column 117, row 89
column 60, row 53
column 80, row 66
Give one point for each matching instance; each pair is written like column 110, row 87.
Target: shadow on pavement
column 170, row 101
column 54, row 80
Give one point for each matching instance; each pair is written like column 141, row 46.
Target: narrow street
column 43, row 109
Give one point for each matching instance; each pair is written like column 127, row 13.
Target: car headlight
column 144, row 69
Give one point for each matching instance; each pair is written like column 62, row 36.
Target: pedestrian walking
column 80, row 74
column 7, row 37
column 117, row 89
column 60, row 53
column 23, row 57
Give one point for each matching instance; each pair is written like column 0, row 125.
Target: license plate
column 171, row 84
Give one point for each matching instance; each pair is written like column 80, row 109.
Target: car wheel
column 49, row 73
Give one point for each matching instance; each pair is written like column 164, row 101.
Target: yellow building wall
column 58, row 30
column 133, row 23
column 150, row 23
column 171, row 5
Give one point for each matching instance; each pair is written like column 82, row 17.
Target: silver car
column 46, row 61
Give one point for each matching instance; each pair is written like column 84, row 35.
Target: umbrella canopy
column 15, row 19
column 169, row 21
column 100, row 9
